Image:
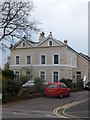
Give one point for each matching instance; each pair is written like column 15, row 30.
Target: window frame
column 43, row 74
column 23, row 44
column 16, row 74
column 49, row 43
column 28, row 73
column 30, row 60
column 17, row 60
column 53, row 59
column 54, row 77
column 41, row 59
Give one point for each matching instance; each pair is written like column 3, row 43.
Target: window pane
column 50, row 43
column 42, row 59
column 55, row 59
column 28, row 59
column 27, row 73
column 17, row 74
column 42, row 75
column 52, row 86
column 17, row 59
column 55, row 76
column 23, row 44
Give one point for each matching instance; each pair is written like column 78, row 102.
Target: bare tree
column 15, row 20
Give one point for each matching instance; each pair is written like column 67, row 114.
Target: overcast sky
column 66, row 19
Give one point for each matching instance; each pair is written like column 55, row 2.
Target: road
column 79, row 111
column 42, row 107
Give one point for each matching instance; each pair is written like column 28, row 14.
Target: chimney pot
column 65, row 42
column 42, row 36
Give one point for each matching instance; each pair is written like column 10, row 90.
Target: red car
column 57, row 89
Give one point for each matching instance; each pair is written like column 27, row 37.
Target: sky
column 66, row 19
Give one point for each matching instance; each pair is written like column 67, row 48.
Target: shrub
column 10, row 88
column 68, row 82
column 24, row 79
column 8, row 74
column 36, row 88
column 38, row 84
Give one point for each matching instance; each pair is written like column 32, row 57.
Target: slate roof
column 85, row 56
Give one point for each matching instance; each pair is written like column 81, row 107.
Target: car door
column 64, row 89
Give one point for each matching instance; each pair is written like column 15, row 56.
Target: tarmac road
column 80, row 110
column 42, row 107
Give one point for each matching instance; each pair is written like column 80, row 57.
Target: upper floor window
column 28, row 59
column 17, row 59
column 43, row 59
column 23, row 44
column 70, row 60
column 56, row 59
column 50, row 43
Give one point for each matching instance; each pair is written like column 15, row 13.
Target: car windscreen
column 52, row 86
column 30, row 82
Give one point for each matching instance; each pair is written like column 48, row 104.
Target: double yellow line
column 59, row 111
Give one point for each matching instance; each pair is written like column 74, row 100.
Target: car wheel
column 61, row 96
column 69, row 94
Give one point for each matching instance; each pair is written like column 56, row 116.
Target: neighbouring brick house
column 49, row 59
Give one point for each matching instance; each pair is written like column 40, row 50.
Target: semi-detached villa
column 50, row 59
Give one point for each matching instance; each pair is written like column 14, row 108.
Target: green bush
column 27, row 91
column 38, row 84
column 23, row 79
column 36, row 88
column 76, row 89
column 8, row 74
column 10, row 88
column 68, row 82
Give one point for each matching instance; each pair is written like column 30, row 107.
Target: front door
column 78, row 78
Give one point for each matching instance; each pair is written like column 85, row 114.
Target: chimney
column 50, row 34
column 65, row 42
column 42, row 37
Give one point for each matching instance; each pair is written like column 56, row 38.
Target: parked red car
column 57, row 89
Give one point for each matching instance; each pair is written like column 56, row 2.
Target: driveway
column 42, row 107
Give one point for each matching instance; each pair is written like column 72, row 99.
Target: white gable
column 49, row 40
column 23, row 44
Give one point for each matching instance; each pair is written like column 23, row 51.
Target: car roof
column 57, row 83
column 31, row 80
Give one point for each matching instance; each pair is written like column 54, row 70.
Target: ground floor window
column 28, row 73
column 17, row 73
column 55, row 76
column 70, row 75
column 43, row 75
